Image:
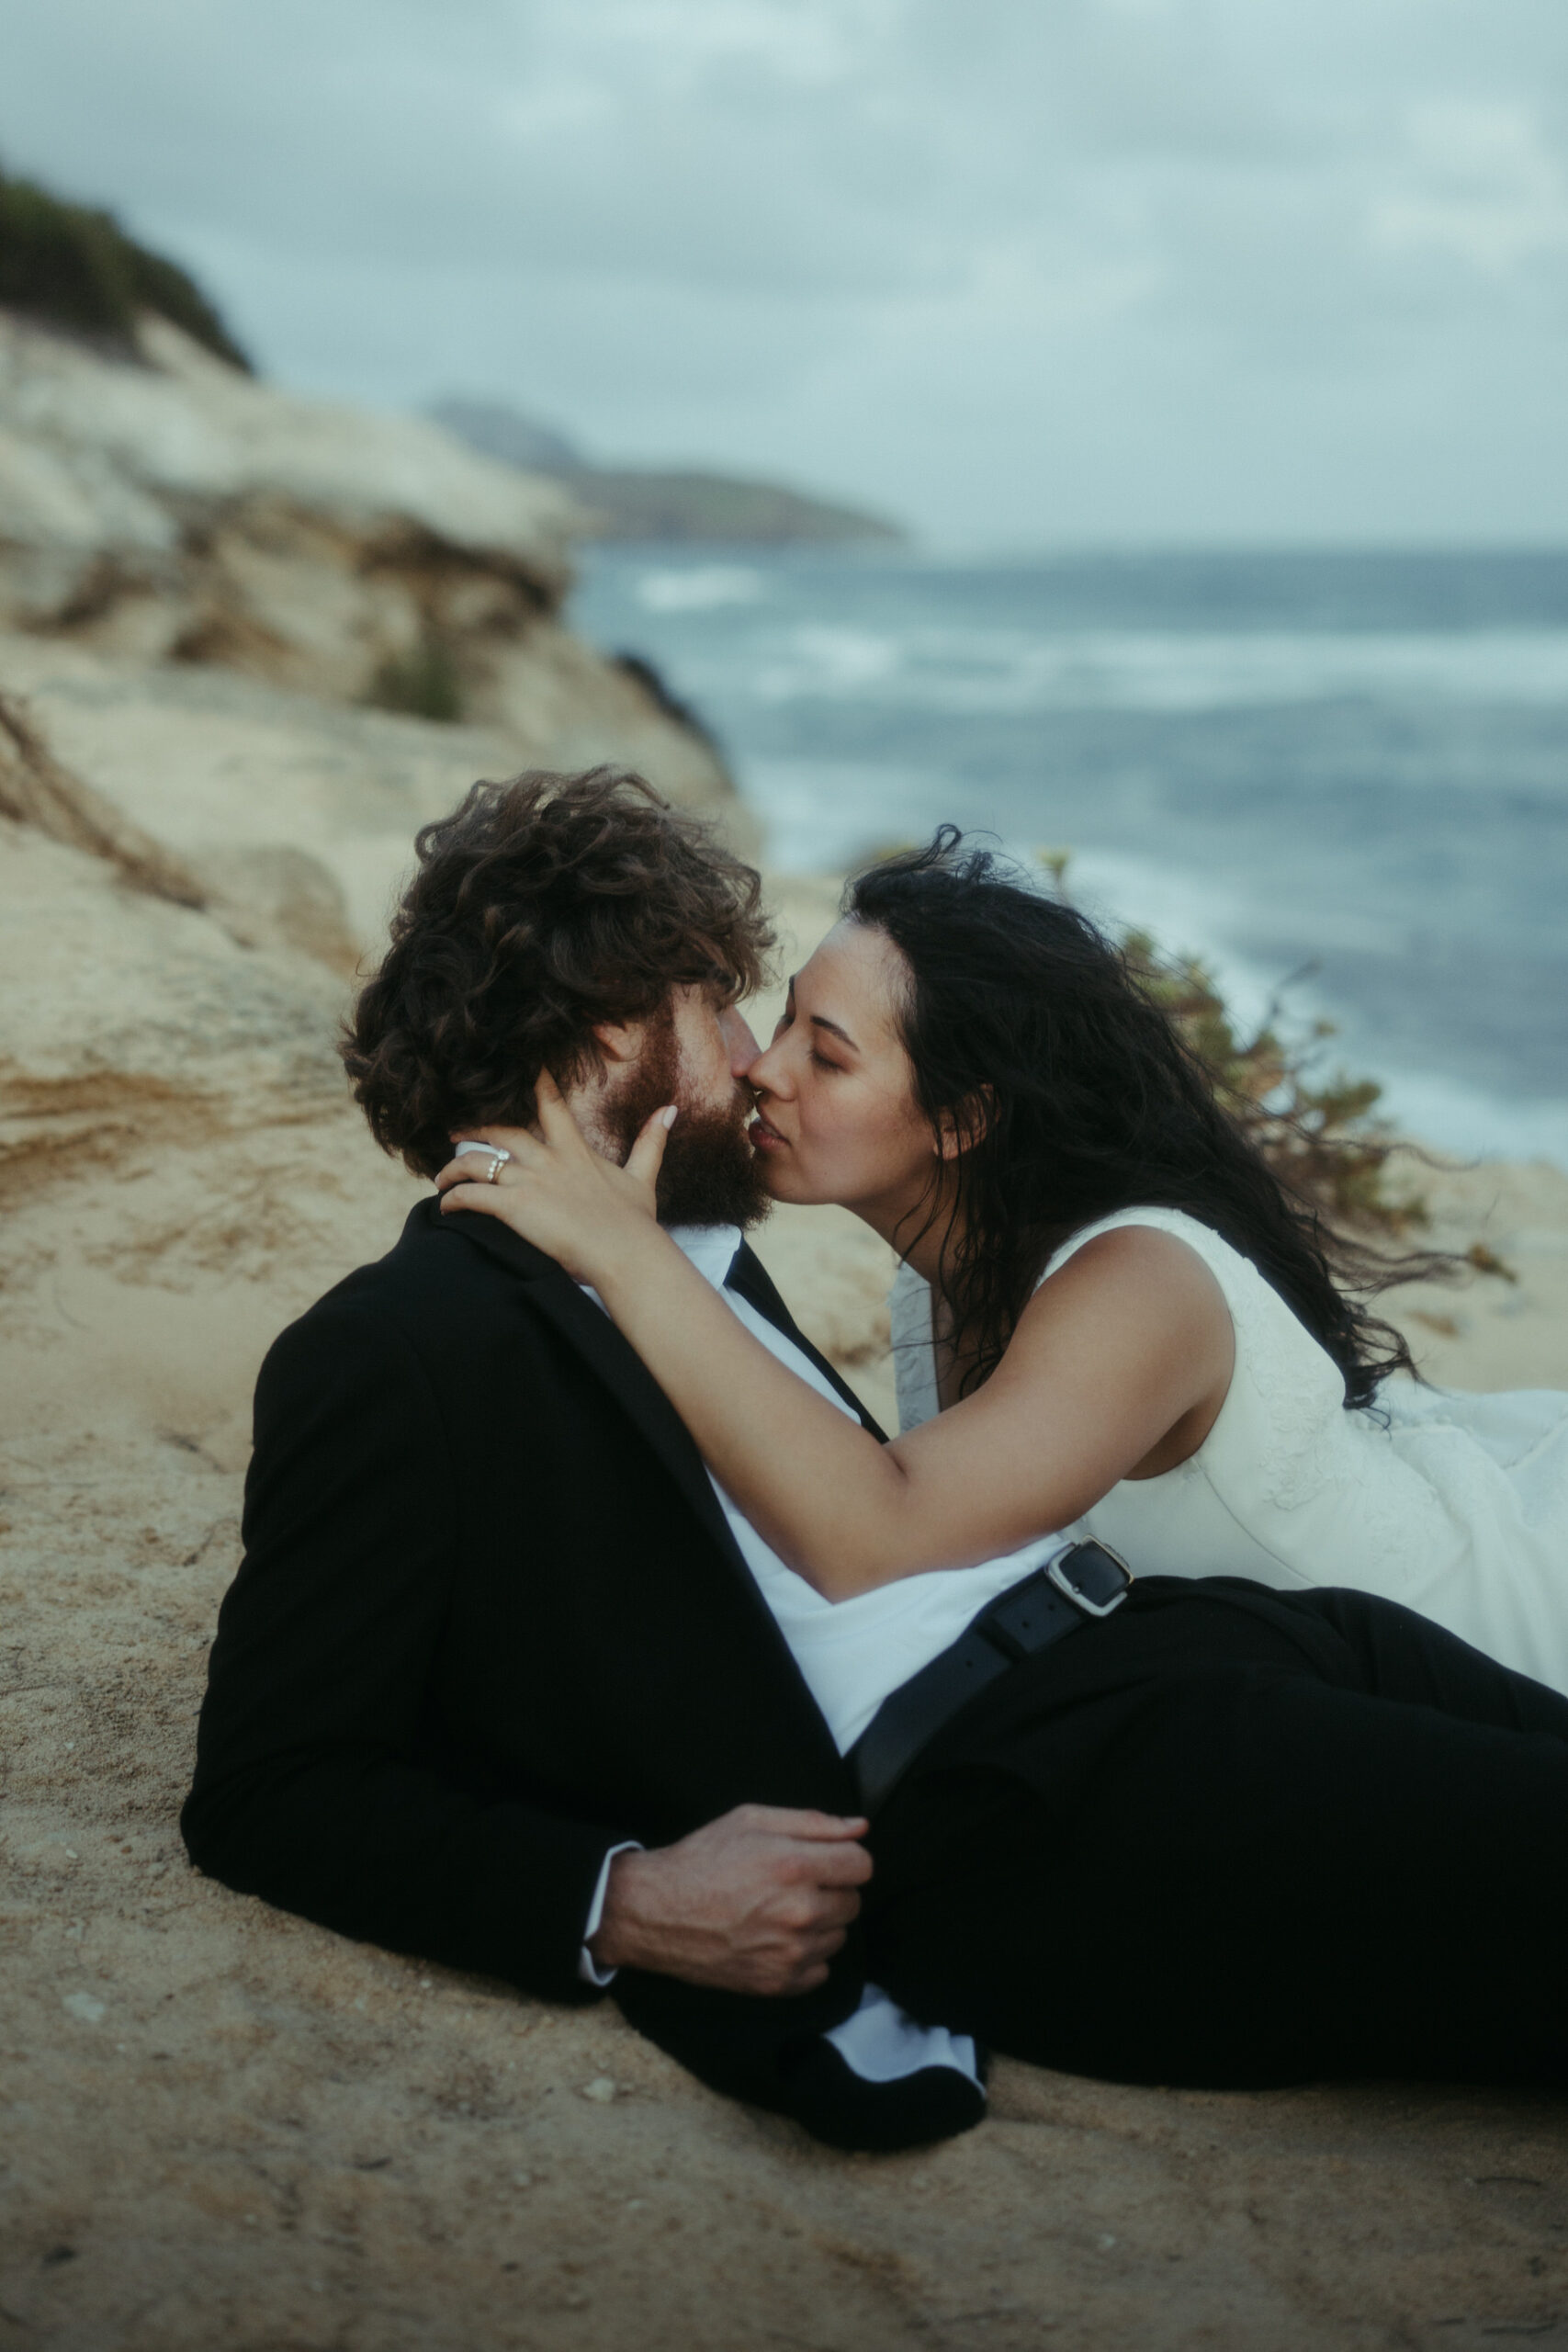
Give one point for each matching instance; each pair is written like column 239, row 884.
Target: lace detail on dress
column 1284, row 1448
column 1298, row 1384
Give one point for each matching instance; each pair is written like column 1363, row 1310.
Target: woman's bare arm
column 1131, row 1337
column 1128, row 1341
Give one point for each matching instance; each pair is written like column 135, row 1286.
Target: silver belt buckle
column 1059, row 1577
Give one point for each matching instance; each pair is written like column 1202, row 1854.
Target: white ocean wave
column 822, row 661
column 1000, row 670
column 698, row 588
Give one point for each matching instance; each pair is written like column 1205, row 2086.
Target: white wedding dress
column 1456, row 1505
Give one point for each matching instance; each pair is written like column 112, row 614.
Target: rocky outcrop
column 257, row 791
column 171, row 510
column 107, row 457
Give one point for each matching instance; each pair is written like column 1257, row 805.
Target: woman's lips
column 766, row 1139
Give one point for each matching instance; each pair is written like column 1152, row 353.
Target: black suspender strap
column 1087, row 1582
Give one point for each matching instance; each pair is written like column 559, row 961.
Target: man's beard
column 710, row 1174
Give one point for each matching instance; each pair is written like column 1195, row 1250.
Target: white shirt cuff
column 588, row 1967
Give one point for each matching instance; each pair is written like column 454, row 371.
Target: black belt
column 1088, row 1581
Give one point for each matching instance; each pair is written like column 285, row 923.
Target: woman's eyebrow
column 821, row 1021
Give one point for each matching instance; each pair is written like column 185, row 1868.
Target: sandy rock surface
column 222, row 2127
column 97, row 450
column 1493, row 1333
column 185, row 519
column 303, row 812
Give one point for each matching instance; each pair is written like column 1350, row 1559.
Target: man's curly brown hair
column 541, row 906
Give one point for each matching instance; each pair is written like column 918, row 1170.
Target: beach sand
column 226, row 2128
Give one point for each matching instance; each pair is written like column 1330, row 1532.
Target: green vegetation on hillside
column 421, row 684
column 1323, row 1136
column 77, row 269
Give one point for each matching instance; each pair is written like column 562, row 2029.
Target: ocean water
column 1347, row 773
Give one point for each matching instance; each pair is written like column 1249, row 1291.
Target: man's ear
column 959, row 1131
column 620, row 1041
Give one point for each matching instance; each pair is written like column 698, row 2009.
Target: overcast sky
column 1020, row 271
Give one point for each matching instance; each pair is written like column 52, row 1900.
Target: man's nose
column 742, row 1044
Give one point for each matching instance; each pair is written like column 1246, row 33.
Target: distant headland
column 634, row 503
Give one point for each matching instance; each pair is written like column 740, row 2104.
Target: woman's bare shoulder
column 1126, row 1353
column 1139, row 1274
column 1144, row 1246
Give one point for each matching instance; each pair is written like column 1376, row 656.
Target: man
column 495, row 1683
column 504, row 1681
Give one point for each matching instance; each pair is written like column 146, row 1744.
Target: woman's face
column 837, row 1119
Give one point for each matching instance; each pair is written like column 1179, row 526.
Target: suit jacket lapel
column 621, row 1369
column 752, row 1280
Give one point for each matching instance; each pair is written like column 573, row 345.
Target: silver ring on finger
column 499, row 1156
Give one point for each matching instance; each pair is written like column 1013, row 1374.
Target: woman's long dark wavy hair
column 1093, row 1103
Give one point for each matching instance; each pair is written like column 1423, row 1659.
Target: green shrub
column 77, row 269
column 1323, row 1136
column 422, row 684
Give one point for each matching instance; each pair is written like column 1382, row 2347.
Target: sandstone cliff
column 167, row 510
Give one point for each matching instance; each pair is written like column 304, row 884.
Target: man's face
column 693, row 1054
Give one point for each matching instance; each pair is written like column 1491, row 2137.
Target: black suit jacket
column 489, row 1621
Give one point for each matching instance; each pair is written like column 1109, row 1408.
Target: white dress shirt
column 851, row 1655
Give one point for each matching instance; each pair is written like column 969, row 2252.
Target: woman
column 1110, row 1315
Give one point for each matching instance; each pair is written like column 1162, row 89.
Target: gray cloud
column 1100, row 268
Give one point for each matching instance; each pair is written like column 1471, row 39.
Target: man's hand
column 757, row 1902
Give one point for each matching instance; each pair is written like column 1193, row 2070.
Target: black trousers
column 1231, row 1837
